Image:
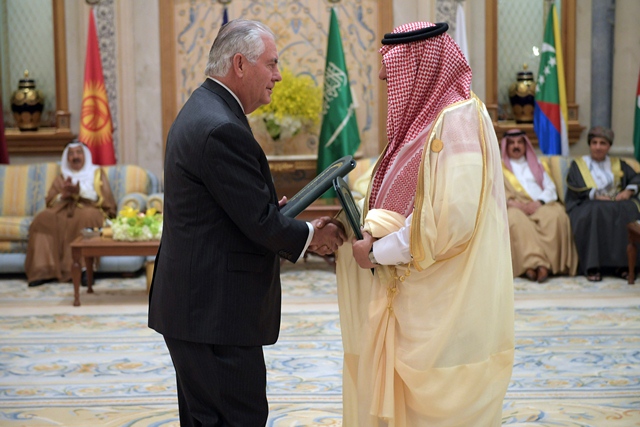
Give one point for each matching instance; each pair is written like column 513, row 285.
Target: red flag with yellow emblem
column 96, row 129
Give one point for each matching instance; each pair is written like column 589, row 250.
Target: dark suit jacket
column 217, row 273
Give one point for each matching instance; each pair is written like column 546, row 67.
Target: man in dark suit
column 215, row 295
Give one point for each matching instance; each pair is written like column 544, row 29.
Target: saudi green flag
column 636, row 126
column 339, row 135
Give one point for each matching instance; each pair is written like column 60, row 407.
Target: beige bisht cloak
column 54, row 228
column 542, row 239
column 431, row 344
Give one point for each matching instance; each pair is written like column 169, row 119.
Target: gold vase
column 27, row 104
column 522, row 96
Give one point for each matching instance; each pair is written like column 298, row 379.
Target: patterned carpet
column 577, row 359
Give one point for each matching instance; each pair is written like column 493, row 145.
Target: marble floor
column 577, row 355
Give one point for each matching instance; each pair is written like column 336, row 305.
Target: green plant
column 296, row 104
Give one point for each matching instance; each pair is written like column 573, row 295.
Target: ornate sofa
column 22, row 193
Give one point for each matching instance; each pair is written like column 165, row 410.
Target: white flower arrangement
column 131, row 225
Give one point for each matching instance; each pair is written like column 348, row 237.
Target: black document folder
column 318, row 186
column 348, row 205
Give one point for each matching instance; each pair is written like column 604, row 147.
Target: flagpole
column 225, row 10
column 636, row 123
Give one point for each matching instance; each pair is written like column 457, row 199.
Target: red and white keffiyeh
column 532, row 160
column 423, row 77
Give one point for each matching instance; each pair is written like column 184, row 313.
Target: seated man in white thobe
column 539, row 228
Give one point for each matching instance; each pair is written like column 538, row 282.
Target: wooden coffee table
column 633, row 229
column 94, row 247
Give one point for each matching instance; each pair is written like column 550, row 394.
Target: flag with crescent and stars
column 550, row 113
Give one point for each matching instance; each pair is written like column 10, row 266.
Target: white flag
column 461, row 31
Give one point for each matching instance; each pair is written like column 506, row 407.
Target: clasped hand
column 361, row 249
column 623, row 195
column 69, row 189
column 328, row 235
column 529, row 208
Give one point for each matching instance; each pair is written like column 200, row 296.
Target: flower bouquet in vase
column 289, row 123
column 132, row 225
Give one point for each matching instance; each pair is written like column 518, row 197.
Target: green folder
column 318, row 186
column 348, row 205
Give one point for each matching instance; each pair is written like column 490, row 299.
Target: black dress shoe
column 594, row 275
column 83, row 278
column 35, row 283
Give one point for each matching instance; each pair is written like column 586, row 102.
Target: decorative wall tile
column 301, row 29
column 26, row 37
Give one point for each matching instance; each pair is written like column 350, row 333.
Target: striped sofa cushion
column 633, row 163
column 12, row 247
column 14, row 227
column 126, row 179
column 559, row 168
column 23, row 188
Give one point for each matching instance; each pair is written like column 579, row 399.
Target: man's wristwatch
column 372, row 258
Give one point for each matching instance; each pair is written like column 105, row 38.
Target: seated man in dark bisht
column 539, row 228
column 601, row 201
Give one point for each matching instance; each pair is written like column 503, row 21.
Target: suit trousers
column 219, row 385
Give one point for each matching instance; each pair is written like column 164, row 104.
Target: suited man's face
column 260, row 78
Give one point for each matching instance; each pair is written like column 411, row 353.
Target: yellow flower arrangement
column 296, row 104
column 132, row 225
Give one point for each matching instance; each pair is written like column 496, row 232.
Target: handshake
column 328, row 235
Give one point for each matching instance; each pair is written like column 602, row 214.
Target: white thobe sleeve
column 549, row 194
column 394, row 248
